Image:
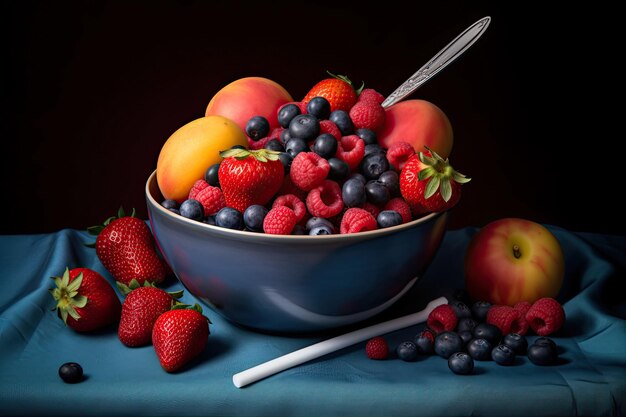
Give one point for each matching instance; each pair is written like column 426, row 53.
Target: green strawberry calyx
column 440, row 173
column 97, row 229
column 134, row 284
column 347, row 81
column 195, row 307
column 66, row 295
column 261, row 155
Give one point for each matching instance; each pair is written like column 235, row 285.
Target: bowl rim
column 349, row 237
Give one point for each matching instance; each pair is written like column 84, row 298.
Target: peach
column 248, row 97
column 191, row 150
column 419, row 123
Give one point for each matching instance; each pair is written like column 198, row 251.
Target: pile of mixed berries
column 482, row 332
column 319, row 173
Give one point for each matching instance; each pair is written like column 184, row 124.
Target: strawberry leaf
column 425, row 173
column 235, row 152
column 427, row 160
column 120, row 213
column 75, row 284
column 259, row 157
column 176, row 294
column 432, row 186
column 445, row 189
column 460, row 178
column 79, row 301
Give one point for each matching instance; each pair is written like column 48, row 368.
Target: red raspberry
column 357, row 220
column 507, row 319
column 325, row 200
column 377, row 348
column 196, row 188
column 279, row 220
column 351, row 149
column 442, row 319
column 522, row 308
column 288, row 187
column 293, row 202
column 369, row 94
column 212, row 200
column 371, row 208
column 367, row 115
column 326, row 126
column 308, row 170
column 259, row 144
column 545, row 316
column 398, row 204
column 398, row 153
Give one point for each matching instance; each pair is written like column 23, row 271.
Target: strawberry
column 141, row 308
column 338, row 90
column 180, row 335
column 126, row 248
column 85, row 300
column 250, row 177
column 429, row 183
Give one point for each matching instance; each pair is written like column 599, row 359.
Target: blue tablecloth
column 591, row 380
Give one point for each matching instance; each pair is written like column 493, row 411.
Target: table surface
column 589, row 380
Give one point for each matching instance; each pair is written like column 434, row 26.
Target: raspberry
column 196, row 188
column 442, row 319
column 212, row 200
column 369, row 94
column 293, row 202
column 308, row 170
column 357, row 220
column 377, row 348
column 279, row 220
column 325, row 200
column 507, row 319
column 545, row 316
column 522, row 308
column 326, row 126
column 398, row 204
column 351, row 150
column 288, row 187
column 398, row 153
column 259, row 144
column 371, row 208
column 367, row 115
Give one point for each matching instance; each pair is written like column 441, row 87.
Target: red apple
column 419, row 123
column 248, row 97
column 512, row 260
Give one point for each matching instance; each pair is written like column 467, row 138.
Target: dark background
column 91, row 91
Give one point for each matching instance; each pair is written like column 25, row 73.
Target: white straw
column 325, row 347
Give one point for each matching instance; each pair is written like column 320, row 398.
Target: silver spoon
column 444, row 57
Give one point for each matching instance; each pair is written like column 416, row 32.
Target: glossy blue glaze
column 294, row 283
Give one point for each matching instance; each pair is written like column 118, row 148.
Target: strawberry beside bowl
column 294, row 283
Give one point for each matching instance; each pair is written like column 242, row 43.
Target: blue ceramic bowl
column 294, row 283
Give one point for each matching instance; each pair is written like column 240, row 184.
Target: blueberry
column 192, row 209
column 285, row 136
column 253, row 217
column 479, row 349
column 210, row 220
column 229, row 218
column 211, row 176
column 325, row 145
column 321, row 229
column 286, row 159
column 368, row 136
column 342, row 119
column 503, row 355
column 466, row 336
column 517, row 342
column 388, row 218
column 466, row 324
column 489, row 332
column 71, row 372
column 480, row 310
column 298, row 230
column 391, row 180
column 545, row 341
column 287, row 113
column 175, row 211
column 376, row 193
column 373, row 148
column 447, row 343
column 358, row 176
column 257, row 128
column 170, row 204
column 274, row 145
column 295, row 146
column 461, row 363
column 339, row 169
column 425, row 345
column 353, row 193
column 461, row 309
column 542, row 354
column 318, row 221
column 319, row 107
column 407, row 351
column 238, row 147
column 304, row 126
column 373, row 165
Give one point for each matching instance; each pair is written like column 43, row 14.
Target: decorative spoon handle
column 444, row 57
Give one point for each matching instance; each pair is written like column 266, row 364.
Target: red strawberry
column 250, row 177
column 338, row 90
column 429, row 183
column 377, row 348
column 545, row 316
column 126, row 248
column 85, row 300
column 442, row 318
column 141, row 308
column 180, row 335
column 367, row 114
